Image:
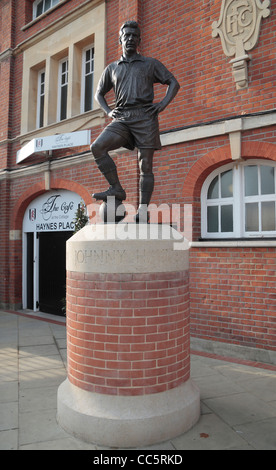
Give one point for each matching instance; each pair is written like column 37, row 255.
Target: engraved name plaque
column 95, row 249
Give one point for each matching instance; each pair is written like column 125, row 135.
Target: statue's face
column 130, row 40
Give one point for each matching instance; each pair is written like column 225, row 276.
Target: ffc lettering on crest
column 239, row 28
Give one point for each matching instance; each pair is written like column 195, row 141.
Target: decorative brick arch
column 34, row 191
column 218, row 157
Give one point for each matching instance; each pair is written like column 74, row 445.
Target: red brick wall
column 180, row 35
column 128, row 334
column 4, row 245
column 233, row 295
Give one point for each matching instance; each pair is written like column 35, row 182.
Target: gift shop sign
column 53, row 142
column 54, row 211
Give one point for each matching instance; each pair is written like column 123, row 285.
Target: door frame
column 35, row 272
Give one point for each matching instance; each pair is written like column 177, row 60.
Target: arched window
column 239, row 201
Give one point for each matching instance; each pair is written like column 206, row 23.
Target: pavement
column 238, row 397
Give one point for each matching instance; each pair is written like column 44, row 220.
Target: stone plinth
column 128, row 338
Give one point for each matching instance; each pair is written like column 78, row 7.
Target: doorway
column 45, row 268
column 52, row 271
column 49, row 221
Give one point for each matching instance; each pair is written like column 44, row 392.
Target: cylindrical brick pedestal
column 128, row 338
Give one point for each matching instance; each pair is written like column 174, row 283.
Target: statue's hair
column 129, row 24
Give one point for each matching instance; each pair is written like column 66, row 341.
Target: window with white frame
column 40, row 98
column 40, row 6
column 62, row 90
column 83, row 96
column 239, row 201
column 87, row 79
column 66, row 90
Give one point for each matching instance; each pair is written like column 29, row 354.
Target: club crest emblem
column 239, row 28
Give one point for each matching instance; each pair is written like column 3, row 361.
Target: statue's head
column 129, row 24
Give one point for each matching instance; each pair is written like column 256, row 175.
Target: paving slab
column 240, row 408
column 38, row 350
column 8, row 416
column 8, row 392
column 37, row 399
column 9, row 439
column 39, row 426
column 43, row 363
column 261, row 434
column 211, row 433
column 67, row 443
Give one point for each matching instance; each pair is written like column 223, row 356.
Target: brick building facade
column 218, row 153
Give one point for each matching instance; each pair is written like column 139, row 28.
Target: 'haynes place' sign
column 54, row 211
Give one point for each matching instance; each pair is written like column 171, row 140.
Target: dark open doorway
column 52, row 271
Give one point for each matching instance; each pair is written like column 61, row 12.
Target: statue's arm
column 100, row 98
column 172, row 90
column 104, row 86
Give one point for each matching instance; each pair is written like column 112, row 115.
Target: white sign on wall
column 54, row 142
column 53, row 211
